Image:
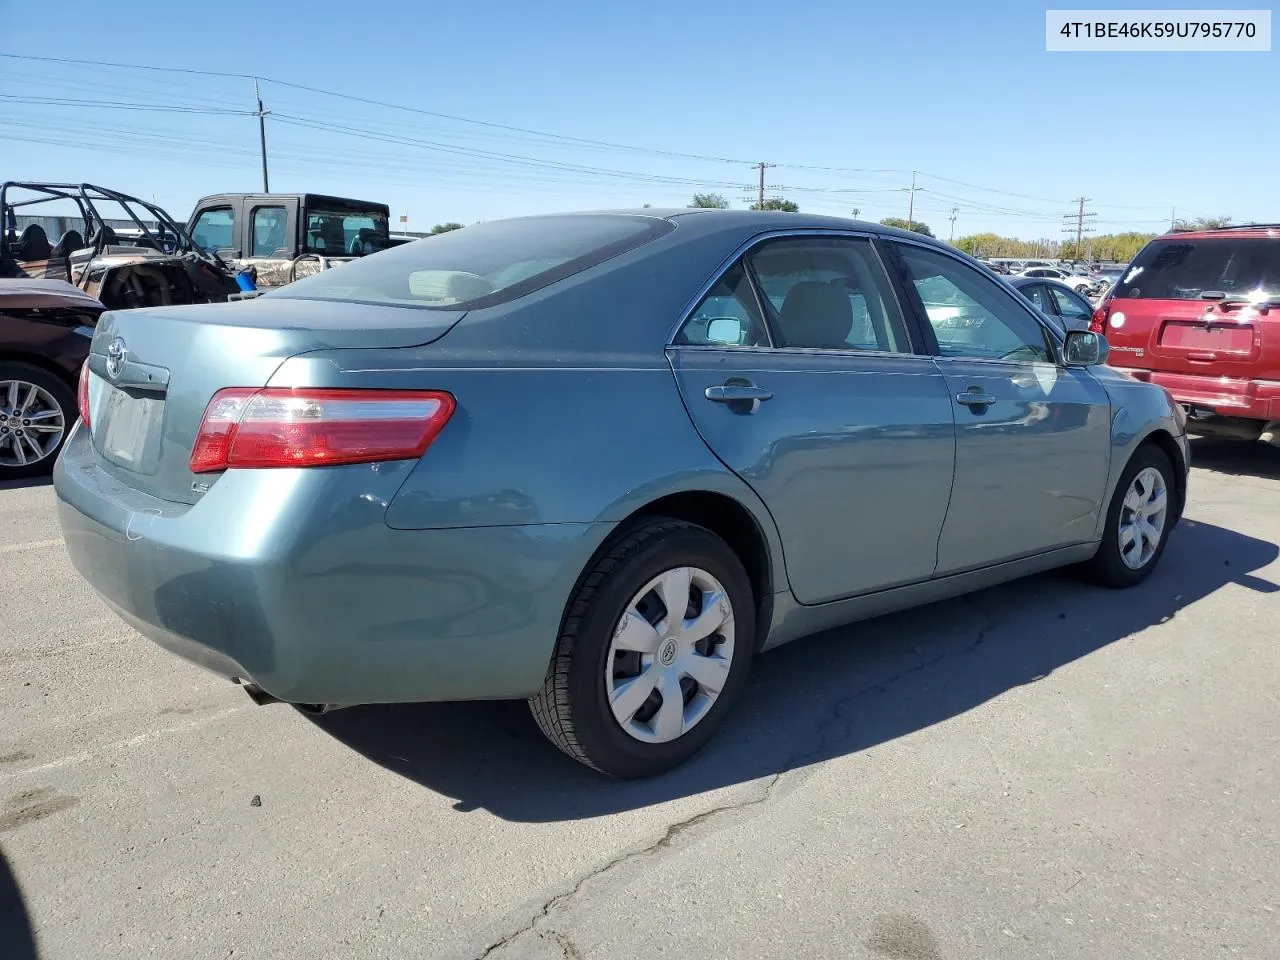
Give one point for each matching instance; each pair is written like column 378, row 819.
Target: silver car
column 598, row 461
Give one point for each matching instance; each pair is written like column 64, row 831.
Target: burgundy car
column 45, row 330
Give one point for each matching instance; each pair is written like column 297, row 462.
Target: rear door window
column 1071, row 306
column 828, row 293
column 1035, row 292
column 1184, row 269
column 269, row 231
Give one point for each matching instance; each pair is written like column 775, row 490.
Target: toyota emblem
column 115, row 357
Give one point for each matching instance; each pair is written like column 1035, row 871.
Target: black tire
column 572, row 708
column 65, row 398
column 1107, row 568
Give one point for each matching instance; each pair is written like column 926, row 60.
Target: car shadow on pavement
column 17, row 941
column 41, row 481
column 821, row 697
column 1237, row 457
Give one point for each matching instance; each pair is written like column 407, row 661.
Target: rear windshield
column 1176, row 269
column 480, row 265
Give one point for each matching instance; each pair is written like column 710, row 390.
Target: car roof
column 709, row 221
column 1249, row 231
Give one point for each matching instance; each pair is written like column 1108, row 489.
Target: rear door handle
column 973, row 399
column 738, row 393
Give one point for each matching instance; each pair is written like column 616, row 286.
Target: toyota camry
column 600, row 462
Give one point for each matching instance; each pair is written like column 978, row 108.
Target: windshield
column 481, row 265
column 346, row 233
column 1176, row 269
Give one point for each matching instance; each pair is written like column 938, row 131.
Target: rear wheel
column 37, row 411
column 1140, row 516
column 653, row 650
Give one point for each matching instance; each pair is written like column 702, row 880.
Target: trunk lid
column 153, row 372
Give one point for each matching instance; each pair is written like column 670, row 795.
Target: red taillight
column 1099, row 322
column 303, row 427
column 82, row 394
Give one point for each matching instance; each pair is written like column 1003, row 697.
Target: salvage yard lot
column 1040, row 769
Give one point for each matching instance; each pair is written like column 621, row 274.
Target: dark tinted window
column 269, row 231
column 481, row 265
column 340, row 233
column 1174, row 269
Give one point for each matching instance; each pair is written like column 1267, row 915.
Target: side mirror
column 725, row 331
column 1084, row 348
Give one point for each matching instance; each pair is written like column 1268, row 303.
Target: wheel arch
column 1163, row 441
column 35, row 360
column 735, row 523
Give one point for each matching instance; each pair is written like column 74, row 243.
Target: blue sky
column 965, row 93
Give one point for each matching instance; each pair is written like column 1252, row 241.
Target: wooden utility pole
column 952, row 218
column 262, row 134
column 1080, row 229
column 911, row 201
column 762, row 167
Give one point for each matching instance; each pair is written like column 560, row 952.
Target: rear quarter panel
column 578, row 442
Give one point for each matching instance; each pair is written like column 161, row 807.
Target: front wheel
column 1141, row 514
column 37, row 411
column 652, row 652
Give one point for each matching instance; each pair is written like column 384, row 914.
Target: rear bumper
column 292, row 580
column 1221, row 396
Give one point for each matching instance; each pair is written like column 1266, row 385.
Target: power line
column 382, row 103
column 116, row 105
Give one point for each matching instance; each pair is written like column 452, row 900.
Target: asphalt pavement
column 1044, row 769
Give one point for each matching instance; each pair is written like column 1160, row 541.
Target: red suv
column 1199, row 314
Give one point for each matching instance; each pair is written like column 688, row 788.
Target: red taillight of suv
column 82, row 394
column 1098, row 324
column 304, row 427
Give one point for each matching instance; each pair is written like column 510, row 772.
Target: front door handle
column 974, row 399
column 738, row 393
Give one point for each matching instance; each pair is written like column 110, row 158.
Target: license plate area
column 1216, row 338
column 130, row 432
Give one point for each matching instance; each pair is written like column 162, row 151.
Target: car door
column 1032, row 436
column 799, row 370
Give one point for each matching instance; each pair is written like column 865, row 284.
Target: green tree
column 446, row 227
column 901, row 224
column 711, row 201
column 1203, row 223
column 777, row 203
column 1120, row 247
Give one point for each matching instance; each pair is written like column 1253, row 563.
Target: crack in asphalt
column 673, row 831
column 567, row 946
column 668, row 837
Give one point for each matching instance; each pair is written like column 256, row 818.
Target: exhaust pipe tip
column 318, row 709
column 262, row 698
